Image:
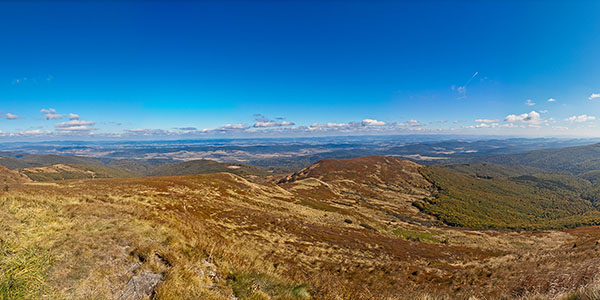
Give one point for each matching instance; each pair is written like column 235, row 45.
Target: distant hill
column 136, row 167
column 8, row 177
column 372, row 170
column 60, row 167
column 473, row 195
column 73, row 171
column 576, row 160
column 41, row 160
column 206, row 167
column 387, row 185
column 15, row 163
column 521, row 202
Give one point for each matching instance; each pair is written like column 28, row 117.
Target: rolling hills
column 57, row 167
column 204, row 166
column 336, row 229
column 576, row 160
column 471, row 194
column 340, row 229
column 10, row 177
column 74, row 171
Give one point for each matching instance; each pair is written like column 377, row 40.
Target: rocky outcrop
column 140, row 286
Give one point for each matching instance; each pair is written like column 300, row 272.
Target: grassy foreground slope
column 343, row 229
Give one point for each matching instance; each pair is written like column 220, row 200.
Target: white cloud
column 329, row 125
column 183, row 131
column 551, row 100
column 371, row 122
column 73, row 116
column 486, row 121
column 263, row 124
column 580, row 119
column 233, row 127
column 511, row 125
column 410, row 123
column 75, row 129
column 531, row 117
column 594, row 96
column 10, row 116
column 33, row 132
column 74, row 123
column 150, row 132
column 366, row 125
column 483, row 125
column 50, row 114
column 560, row 127
column 529, row 102
column 75, row 126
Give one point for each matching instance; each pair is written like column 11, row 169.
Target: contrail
column 468, row 81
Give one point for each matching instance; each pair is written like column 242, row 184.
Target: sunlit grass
column 23, row 272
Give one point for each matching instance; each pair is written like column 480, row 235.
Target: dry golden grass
column 220, row 235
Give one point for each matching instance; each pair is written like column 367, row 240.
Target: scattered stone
column 367, row 226
column 141, row 286
column 209, row 269
column 133, row 267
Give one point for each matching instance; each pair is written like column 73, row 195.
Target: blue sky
column 273, row 68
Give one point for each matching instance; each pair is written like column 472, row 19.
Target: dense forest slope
column 519, row 202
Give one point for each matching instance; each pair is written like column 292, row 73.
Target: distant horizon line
column 455, row 136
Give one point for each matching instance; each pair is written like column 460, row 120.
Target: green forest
column 495, row 196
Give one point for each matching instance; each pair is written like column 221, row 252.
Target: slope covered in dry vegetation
column 340, row 229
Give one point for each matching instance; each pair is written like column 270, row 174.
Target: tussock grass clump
column 253, row 285
column 23, row 272
column 589, row 292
